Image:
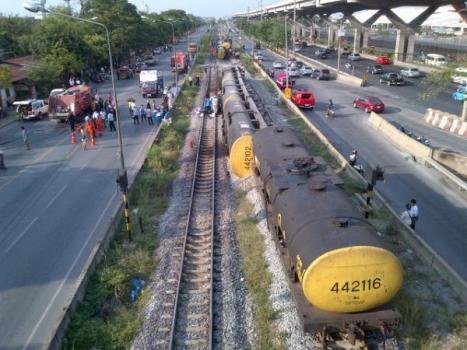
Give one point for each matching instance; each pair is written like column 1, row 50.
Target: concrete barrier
column 456, row 125
column 445, row 121
column 463, row 129
column 399, row 139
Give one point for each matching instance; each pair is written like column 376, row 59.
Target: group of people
column 197, row 80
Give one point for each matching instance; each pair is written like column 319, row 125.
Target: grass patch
column 247, row 62
column 352, row 186
column 257, row 276
column 106, row 318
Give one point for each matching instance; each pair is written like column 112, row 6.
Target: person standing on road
column 83, row 137
column 142, row 113
column 25, row 136
column 72, row 121
column 413, row 213
column 111, row 120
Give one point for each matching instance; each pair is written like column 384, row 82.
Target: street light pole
column 122, row 178
column 286, row 54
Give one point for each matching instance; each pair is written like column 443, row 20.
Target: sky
column 225, row 8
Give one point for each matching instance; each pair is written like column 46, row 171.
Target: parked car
column 321, row 54
column 435, row 60
column 157, row 51
column 354, row 56
column 375, row 69
column 411, row 72
column 391, row 79
column 299, row 64
column 321, row 74
column 306, row 71
column 257, row 55
column 460, row 94
column 31, row 109
column 460, row 76
column 303, row 99
column 277, row 65
column 293, row 72
column 281, row 81
column 369, row 104
column 383, row 60
column 291, row 62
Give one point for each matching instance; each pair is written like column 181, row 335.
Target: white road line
column 21, row 235
column 56, row 196
column 65, row 278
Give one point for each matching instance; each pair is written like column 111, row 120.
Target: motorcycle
column 330, row 112
column 348, row 65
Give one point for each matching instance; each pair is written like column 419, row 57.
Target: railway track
column 186, row 322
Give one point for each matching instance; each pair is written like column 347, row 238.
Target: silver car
column 306, row 70
column 354, row 56
column 411, row 72
column 277, row 65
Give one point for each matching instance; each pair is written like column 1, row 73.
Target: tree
column 15, row 33
column 439, row 81
column 5, row 76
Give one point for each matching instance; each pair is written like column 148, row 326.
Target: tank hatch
column 318, row 183
column 301, row 166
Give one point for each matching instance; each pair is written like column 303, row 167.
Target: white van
column 434, row 59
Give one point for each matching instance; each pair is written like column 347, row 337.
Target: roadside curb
column 415, row 241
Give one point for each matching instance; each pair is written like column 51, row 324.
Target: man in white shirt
column 413, row 213
column 111, row 120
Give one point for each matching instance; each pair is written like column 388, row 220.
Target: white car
column 460, row 76
column 258, row 56
column 354, row 56
column 411, row 72
column 277, row 65
column 293, row 72
column 306, row 70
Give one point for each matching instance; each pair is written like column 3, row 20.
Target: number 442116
column 356, row 286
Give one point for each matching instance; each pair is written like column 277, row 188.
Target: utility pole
column 261, row 9
column 294, row 27
column 286, row 54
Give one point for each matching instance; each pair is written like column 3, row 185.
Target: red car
column 369, row 104
column 281, row 81
column 303, row 99
column 383, row 60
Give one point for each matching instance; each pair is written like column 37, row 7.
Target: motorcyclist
column 330, row 109
column 353, row 158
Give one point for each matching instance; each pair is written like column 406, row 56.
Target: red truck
column 179, row 61
column 77, row 99
column 281, row 81
column 303, row 99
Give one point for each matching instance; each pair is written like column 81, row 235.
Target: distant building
column 21, row 86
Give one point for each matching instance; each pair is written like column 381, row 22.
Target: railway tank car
column 239, row 125
column 333, row 253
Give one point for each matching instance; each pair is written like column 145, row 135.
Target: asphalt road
column 56, row 201
column 409, row 92
column 443, row 211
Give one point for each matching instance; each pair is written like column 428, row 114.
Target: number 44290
column 356, row 286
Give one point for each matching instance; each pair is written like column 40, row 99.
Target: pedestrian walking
column 91, row 132
column 111, row 120
column 197, row 80
column 142, row 113
column 147, row 114
column 25, row 136
column 71, row 121
column 413, row 213
column 405, row 216
column 190, row 80
column 83, row 137
column 135, row 117
column 99, row 124
column 152, row 114
column 148, row 104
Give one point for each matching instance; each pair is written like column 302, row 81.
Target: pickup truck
column 391, row 79
column 303, row 98
column 31, row 109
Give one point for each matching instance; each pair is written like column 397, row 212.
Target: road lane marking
column 21, row 235
column 56, row 196
column 65, row 278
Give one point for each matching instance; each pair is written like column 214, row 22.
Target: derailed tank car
column 238, row 126
column 341, row 266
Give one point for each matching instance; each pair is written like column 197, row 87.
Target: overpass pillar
column 410, row 48
column 405, row 43
column 357, row 39
column 365, row 39
column 331, row 35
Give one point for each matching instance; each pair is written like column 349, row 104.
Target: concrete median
column 399, row 139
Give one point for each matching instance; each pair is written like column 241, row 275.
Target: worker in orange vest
column 91, row 131
column 99, row 124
